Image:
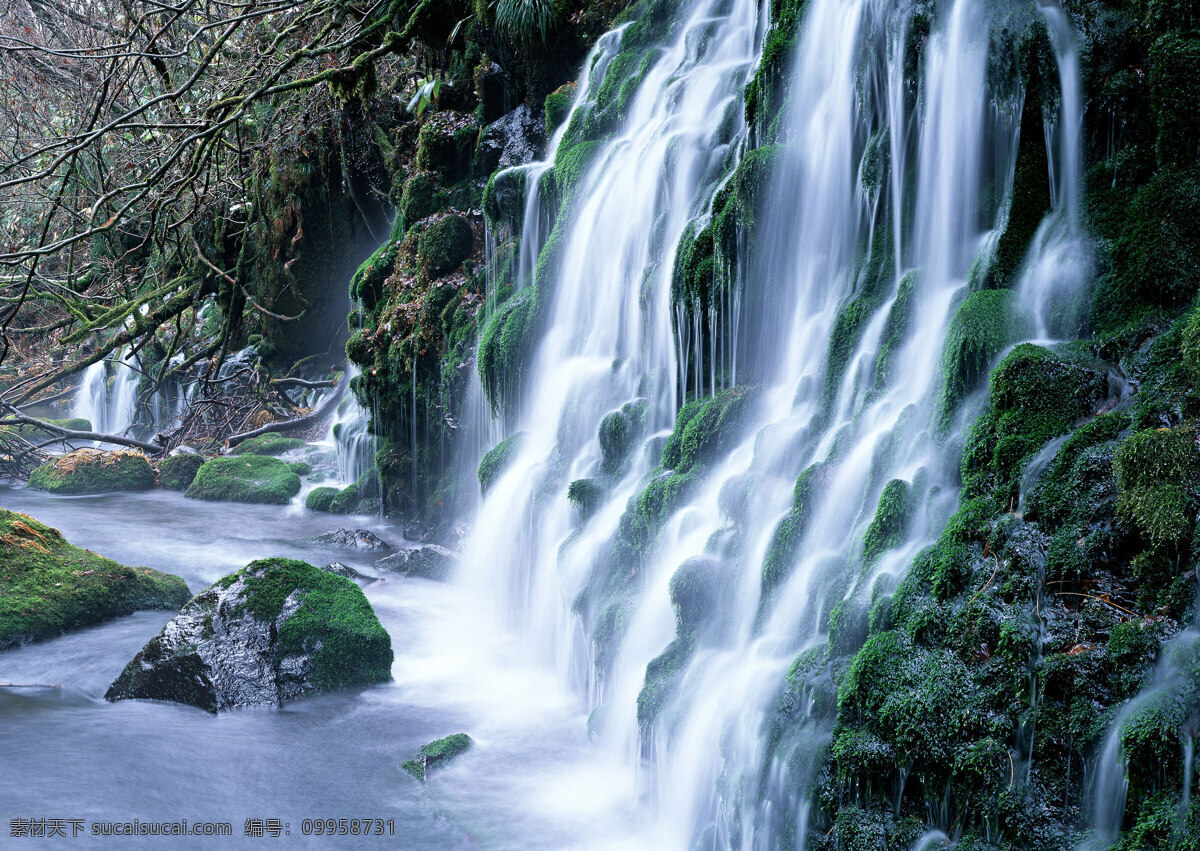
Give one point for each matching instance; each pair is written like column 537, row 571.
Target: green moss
column 497, row 459
column 176, row 472
column 422, row 196
column 890, row 523
column 558, row 107
column 785, row 543
column 347, row 500
column 1034, row 396
column 245, row 478
column 437, row 752
column 321, row 499
column 1173, row 96
column 619, row 431
column 571, row 164
column 300, row 468
column 335, row 623
column 505, row 344
column 366, row 285
column 982, row 326
column 87, row 471
column 586, row 495
column 895, row 331
column 443, row 246
column 48, row 587
column 1158, row 477
column 268, row 444
column 765, row 94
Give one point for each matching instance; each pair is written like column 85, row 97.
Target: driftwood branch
column 326, row 408
column 300, row 382
column 17, row 418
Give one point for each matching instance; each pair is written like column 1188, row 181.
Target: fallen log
column 326, row 408
column 60, row 433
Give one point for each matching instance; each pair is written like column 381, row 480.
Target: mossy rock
column 176, row 472
column 437, row 752
column 558, row 107
column 443, row 245
column 346, row 501
column 275, row 630
column 983, row 325
column 497, row 459
column 48, row 587
column 1158, row 479
column 87, row 471
column 245, row 478
column 268, row 444
column 321, row 499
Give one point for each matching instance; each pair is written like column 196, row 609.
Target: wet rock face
column 428, row 561
column 359, row 540
column 276, row 630
column 514, row 139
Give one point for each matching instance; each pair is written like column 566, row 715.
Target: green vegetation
column 87, row 471
column 245, row 478
column 48, row 587
column 437, row 752
column 321, row 499
column 335, row 624
column 268, row 444
column 176, row 472
column 497, row 460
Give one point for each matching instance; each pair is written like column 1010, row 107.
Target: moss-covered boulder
column 268, row 444
column 275, row 630
column 87, row 471
column 176, row 472
column 48, row 587
column 321, row 499
column 443, row 245
column 437, row 752
column 245, row 478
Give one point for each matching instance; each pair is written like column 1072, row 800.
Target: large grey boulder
column 275, row 630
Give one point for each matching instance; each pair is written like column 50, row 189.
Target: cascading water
column 1172, row 694
column 109, row 407
column 828, row 340
column 351, row 437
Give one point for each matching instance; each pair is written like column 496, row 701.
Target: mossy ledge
column 48, row 586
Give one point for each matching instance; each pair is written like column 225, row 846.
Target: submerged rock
column 245, row 478
column 361, row 540
column 339, row 569
column 275, row 630
column 48, row 587
column 87, row 471
column 437, row 752
column 428, row 561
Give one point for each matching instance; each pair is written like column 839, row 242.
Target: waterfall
column 350, row 435
column 1169, row 704
column 109, row 404
column 824, row 343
